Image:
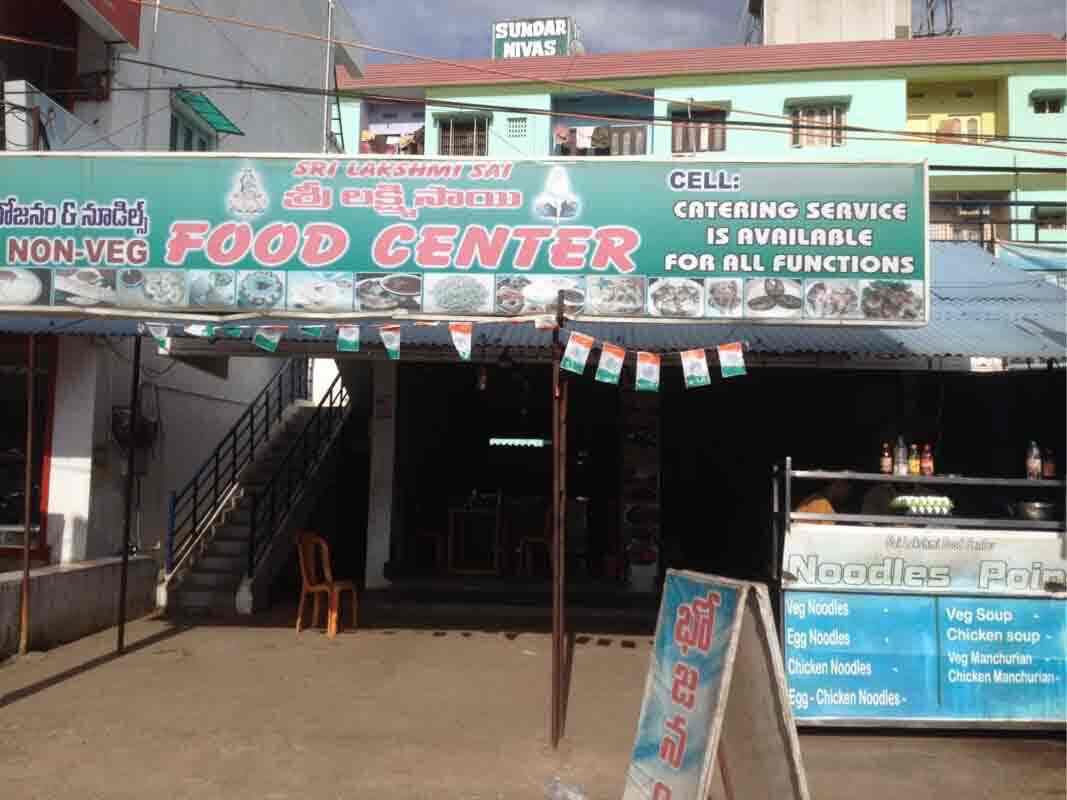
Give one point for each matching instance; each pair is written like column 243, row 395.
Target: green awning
column 207, row 111
column 462, row 115
column 824, row 100
column 1048, row 94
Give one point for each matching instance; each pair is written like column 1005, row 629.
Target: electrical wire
column 901, row 135
column 243, row 55
column 6, row 37
column 789, row 128
column 117, row 131
column 241, row 84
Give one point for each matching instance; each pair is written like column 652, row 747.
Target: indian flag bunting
column 462, row 333
column 203, row 331
column 268, row 337
column 348, row 338
column 314, row 331
column 610, row 367
column 391, row 339
column 577, row 352
column 732, row 359
column 647, row 372
column 161, row 333
column 695, row 368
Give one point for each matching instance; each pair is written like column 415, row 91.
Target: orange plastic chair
column 313, row 552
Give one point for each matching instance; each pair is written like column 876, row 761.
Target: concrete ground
column 222, row 710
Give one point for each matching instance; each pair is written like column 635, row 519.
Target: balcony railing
column 985, row 221
column 34, row 121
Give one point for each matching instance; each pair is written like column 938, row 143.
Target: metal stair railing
column 272, row 505
column 197, row 505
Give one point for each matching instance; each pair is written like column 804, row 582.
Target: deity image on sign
column 247, row 198
column 557, row 201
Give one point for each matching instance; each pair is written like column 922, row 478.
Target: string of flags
column 612, row 357
column 575, row 355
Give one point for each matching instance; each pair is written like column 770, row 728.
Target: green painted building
column 990, row 113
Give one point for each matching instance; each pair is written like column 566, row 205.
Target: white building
column 102, row 76
column 772, row 22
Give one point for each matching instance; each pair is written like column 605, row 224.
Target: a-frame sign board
column 715, row 720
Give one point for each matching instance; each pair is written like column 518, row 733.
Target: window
column 1053, row 105
column 959, row 128
column 818, row 126
column 463, row 137
column 628, row 140
column 601, row 140
column 698, row 133
column 186, row 136
column 516, row 127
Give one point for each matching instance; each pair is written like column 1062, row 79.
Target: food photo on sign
column 439, row 236
column 25, row 287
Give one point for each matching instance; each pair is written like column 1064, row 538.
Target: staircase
column 256, row 484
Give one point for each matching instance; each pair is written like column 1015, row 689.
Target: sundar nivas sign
column 525, row 38
column 632, row 239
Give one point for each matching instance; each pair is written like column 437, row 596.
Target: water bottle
column 900, row 457
column 1033, row 462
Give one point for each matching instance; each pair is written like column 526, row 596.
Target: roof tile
column 716, row 60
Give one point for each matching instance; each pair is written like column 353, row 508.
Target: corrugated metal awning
column 201, row 105
column 979, row 308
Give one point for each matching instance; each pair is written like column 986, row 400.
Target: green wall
column 352, row 124
column 873, row 102
column 1023, row 121
column 877, row 99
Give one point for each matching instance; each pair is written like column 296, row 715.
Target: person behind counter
column 828, row 500
column 879, row 498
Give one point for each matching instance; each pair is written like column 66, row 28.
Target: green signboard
column 457, row 239
column 527, row 38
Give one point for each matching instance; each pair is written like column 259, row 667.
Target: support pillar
column 71, row 467
column 381, row 504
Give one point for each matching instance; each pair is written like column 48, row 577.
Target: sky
column 460, row 28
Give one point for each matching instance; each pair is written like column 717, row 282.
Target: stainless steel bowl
column 1035, row 511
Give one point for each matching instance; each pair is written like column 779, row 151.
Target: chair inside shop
column 317, row 578
column 530, row 528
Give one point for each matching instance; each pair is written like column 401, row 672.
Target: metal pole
column 326, row 78
column 131, row 452
column 24, row 617
column 561, row 559
column 559, row 508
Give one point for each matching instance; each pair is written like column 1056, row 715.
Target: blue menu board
column 1003, row 658
column 910, row 656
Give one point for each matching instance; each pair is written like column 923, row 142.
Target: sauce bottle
column 914, row 461
column 1033, row 462
column 900, row 457
column 885, row 466
column 926, row 462
column 1048, row 466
